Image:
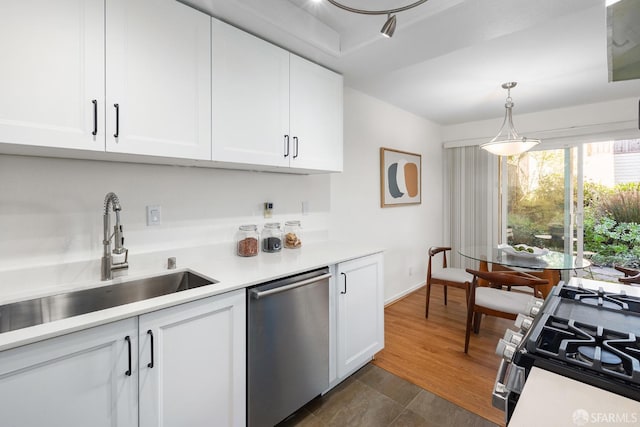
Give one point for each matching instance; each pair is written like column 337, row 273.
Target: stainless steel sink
column 41, row 310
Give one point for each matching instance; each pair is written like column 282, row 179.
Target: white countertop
column 550, row 399
column 216, row 262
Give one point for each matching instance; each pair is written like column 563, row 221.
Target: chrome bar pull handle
column 345, row 284
column 95, row 117
column 295, row 146
column 260, row 294
column 128, row 340
column 150, row 364
column 286, row 145
column 117, row 107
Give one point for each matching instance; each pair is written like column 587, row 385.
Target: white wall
column 405, row 232
column 51, row 209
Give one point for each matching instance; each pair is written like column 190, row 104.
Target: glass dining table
column 547, row 266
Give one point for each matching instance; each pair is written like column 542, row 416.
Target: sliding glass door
column 539, row 197
column 582, row 200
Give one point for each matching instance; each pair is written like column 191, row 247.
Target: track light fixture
column 389, row 26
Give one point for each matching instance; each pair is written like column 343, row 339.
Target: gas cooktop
column 591, row 335
column 587, row 330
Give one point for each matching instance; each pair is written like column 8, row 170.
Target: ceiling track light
column 507, row 142
column 389, row 26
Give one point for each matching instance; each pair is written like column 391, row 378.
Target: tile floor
column 373, row 397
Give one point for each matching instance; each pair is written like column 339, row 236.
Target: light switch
column 268, row 209
column 154, row 215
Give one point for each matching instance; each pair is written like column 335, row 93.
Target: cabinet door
column 193, row 363
column 250, row 98
column 316, row 116
column 52, row 72
column 159, row 75
column 75, row 380
column 360, row 322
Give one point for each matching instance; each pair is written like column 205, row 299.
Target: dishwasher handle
column 259, row 294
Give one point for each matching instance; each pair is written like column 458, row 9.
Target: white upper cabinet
column 272, row 108
column 59, row 87
column 250, row 98
column 137, row 77
column 52, row 73
column 316, row 116
column 158, row 85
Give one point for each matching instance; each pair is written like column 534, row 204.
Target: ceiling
column 448, row 58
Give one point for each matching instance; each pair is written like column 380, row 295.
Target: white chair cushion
column 497, row 299
column 451, row 275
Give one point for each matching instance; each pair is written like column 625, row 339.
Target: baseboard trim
column 401, row 295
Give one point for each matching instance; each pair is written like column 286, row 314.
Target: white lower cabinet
column 75, row 380
column 193, row 363
column 360, row 312
column 111, row 376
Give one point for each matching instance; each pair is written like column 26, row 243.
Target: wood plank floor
column 430, row 352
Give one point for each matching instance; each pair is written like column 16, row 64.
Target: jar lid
column 248, row 227
column 272, row 225
column 292, row 222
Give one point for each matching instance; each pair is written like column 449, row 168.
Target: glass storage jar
column 247, row 240
column 271, row 237
column 292, row 235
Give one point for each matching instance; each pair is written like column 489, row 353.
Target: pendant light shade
column 507, row 142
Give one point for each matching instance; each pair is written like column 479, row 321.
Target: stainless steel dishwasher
column 287, row 345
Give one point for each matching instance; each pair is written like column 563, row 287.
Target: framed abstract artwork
column 400, row 178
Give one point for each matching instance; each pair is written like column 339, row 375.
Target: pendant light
column 507, row 142
column 389, row 26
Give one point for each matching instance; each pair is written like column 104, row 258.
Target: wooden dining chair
column 631, row 276
column 493, row 300
column 445, row 276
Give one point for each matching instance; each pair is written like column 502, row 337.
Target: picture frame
column 400, row 178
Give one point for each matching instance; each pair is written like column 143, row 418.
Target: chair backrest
column 631, row 276
column 434, row 250
column 507, row 278
column 627, row 271
column 630, row 280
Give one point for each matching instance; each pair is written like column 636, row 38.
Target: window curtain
column 471, row 201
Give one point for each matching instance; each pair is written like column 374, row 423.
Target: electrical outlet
column 154, row 215
column 305, row 207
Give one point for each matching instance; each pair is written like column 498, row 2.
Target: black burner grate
column 591, row 347
column 601, row 299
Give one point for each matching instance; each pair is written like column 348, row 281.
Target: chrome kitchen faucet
column 111, row 200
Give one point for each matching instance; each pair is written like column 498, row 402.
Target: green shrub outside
column 611, row 218
column 612, row 224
